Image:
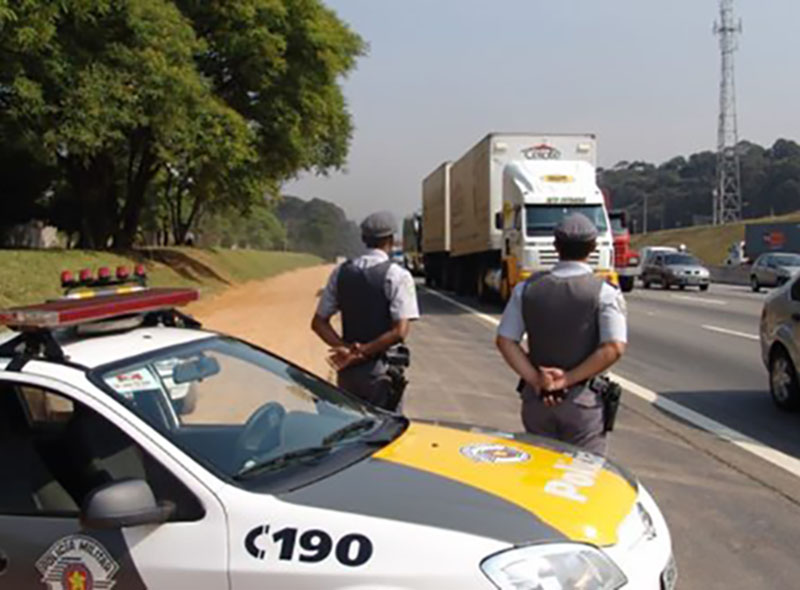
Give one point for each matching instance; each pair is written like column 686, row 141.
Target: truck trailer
column 507, row 194
column 436, row 226
column 760, row 238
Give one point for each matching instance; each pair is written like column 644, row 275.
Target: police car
column 274, row 478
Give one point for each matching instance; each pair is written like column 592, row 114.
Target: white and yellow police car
column 272, row 478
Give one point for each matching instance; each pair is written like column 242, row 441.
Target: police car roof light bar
column 72, row 312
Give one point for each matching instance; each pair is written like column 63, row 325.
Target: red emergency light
column 71, row 312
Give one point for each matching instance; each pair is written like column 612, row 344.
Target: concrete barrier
column 730, row 275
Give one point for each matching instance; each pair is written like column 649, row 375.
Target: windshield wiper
column 282, row 461
column 348, row 430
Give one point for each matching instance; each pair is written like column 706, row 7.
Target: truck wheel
column 481, row 290
column 783, row 384
column 626, row 284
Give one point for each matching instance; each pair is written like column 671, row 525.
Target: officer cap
column 378, row 226
column 576, row 228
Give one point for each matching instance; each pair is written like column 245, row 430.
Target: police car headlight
column 561, row 566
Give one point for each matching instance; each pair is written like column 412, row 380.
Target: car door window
column 56, row 451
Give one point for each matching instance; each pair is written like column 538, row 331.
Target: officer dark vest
column 361, row 294
column 561, row 320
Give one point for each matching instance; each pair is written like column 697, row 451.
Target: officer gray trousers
column 578, row 420
column 369, row 382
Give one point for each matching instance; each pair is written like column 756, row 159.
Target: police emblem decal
column 494, row 453
column 77, row 562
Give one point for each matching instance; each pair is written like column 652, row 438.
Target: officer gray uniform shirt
column 567, row 314
column 399, row 288
column 367, row 320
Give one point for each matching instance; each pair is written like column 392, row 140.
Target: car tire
column 783, row 383
column 682, row 287
column 754, row 285
column 704, row 287
column 665, row 284
column 645, row 284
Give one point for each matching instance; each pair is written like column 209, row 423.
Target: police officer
column 377, row 300
column 577, row 329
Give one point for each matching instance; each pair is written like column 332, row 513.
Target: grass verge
column 31, row 276
column 709, row 243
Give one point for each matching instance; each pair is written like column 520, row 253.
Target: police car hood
column 517, row 489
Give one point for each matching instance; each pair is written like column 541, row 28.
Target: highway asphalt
column 735, row 518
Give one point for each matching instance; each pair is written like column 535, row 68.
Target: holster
column 398, row 358
column 610, row 393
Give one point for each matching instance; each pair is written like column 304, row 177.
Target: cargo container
column 771, row 237
column 436, row 225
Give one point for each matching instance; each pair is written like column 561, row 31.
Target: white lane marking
column 463, row 307
column 744, row 442
column 731, row 332
column 694, row 299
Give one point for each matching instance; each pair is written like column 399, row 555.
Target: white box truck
column 507, row 195
column 436, row 226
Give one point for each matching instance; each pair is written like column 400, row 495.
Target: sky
column 642, row 75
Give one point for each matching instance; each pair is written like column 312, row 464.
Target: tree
column 184, row 106
column 679, row 192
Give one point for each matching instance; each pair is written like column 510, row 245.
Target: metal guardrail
column 730, row 275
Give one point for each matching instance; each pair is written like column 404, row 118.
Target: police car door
column 57, row 448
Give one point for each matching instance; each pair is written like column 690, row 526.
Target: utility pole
column 644, row 214
column 728, row 198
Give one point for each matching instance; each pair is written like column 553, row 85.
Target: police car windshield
column 541, row 220
column 234, row 407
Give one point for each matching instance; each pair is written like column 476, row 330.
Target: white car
column 277, row 479
column 780, row 335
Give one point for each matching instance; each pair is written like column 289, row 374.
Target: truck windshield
column 541, row 220
column 617, row 226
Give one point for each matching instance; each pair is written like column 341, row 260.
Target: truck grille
column 549, row 257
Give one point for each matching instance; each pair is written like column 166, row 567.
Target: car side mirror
column 498, row 220
column 126, row 503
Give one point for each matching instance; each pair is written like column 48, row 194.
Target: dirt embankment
column 275, row 314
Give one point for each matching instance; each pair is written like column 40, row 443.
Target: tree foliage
column 319, row 227
column 168, row 108
column 679, row 191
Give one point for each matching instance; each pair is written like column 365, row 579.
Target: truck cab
column 537, row 195
column 626, row 260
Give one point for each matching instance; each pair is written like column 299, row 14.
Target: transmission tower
column 728, row 192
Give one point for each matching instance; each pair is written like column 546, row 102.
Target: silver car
column 681, row 270
column 780, row 334
column 773, row 269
